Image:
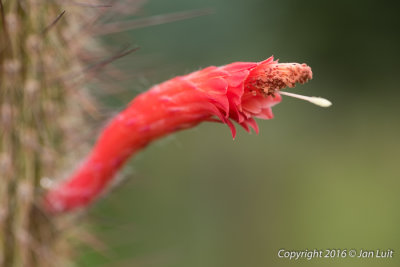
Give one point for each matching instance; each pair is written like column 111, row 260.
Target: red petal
column 265, row 114
column 237, row 78
column 235, row 114
column 269, row 60
column 245, row 126
column 253, row 124
column 232, row 127
column 252, row 105
column 208, row 73
column 221, row 101
column 213, row 86
column 240, row 66
column 275, row 100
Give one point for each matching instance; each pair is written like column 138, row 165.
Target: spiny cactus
column 39, row 117
column 47, row 55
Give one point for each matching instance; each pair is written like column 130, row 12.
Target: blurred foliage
column 313, row 178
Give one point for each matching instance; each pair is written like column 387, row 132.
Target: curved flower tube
column 237, row 92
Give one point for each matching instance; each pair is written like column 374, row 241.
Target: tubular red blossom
column 237, row 92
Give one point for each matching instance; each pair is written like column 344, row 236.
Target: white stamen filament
column 319, row 101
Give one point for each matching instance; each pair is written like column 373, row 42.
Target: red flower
column 239, row 91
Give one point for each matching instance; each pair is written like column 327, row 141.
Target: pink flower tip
column 259, row 90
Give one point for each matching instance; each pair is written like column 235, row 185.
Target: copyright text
column 335, row 253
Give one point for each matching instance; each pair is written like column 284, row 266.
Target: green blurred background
column 313, row 177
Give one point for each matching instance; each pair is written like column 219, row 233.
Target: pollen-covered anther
column 270, row 78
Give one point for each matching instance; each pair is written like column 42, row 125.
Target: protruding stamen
column 319, row 101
